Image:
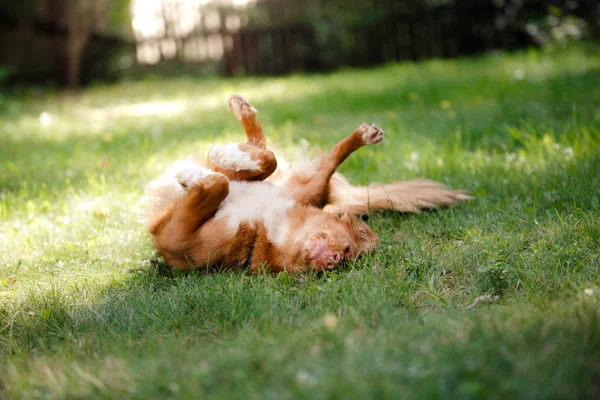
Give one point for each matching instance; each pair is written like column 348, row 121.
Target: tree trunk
column 25, row 36
column 79, row 17
column 593, row 17
column 73, row 68
column 78, row 37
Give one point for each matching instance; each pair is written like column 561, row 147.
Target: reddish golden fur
column 301, row 217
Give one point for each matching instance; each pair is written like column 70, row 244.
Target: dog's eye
column 347, row 250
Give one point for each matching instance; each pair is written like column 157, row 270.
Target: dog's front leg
column 311, row 187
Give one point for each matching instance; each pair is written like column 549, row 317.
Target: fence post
column 593, row 17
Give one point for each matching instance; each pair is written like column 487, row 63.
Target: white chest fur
column 257, row 202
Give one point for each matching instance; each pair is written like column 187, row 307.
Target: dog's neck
column 285, row 254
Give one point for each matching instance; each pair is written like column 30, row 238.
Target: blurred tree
column 593, row 16
column 118, row 17
column 50, row 40
column 81, row 17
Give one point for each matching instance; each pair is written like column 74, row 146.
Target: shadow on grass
column 227, row 322
column 156, row 300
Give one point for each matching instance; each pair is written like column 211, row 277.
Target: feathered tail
column 408, row 196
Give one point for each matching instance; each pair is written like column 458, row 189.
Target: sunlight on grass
column 87, row 309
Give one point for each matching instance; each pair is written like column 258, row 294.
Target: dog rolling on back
column 238, row 207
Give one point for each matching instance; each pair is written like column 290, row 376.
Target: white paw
column 229, row 156
column 188, row 176
column 370, row 134
column 240, row 107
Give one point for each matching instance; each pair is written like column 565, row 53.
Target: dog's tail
column 408, row 196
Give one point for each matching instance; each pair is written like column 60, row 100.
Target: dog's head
column 332, row 239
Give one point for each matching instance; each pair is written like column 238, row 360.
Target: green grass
column 88, row 310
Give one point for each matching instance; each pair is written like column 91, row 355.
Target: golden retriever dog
column 240, row 208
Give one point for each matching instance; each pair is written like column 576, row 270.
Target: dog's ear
column 366, row 239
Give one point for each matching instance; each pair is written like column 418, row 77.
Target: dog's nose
column 337, row 257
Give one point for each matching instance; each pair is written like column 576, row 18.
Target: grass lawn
column 88, row 310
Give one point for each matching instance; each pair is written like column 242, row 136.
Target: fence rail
column 282, row 36
column 312, row 35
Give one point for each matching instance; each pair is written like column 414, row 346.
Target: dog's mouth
column 321, row 255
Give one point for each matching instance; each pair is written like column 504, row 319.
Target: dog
column 243, row 206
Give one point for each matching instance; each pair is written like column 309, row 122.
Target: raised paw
column 370, row 134
column 233, row 157
column 240, row 107
column 190, row 175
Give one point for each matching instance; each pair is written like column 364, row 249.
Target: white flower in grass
column 303, row 378
column 519, row 74
column 589, row 292
column 330, row 321
column 411, row 166
column 568, row 151
column 45, row 118
column 155, row 131
column 510, row 157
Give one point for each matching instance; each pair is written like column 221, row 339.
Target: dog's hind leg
column 249, row 161
column 242, row 162
column 309, row 184
column 246, row 114
column 204, row 191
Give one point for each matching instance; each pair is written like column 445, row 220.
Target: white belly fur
column 257, row 202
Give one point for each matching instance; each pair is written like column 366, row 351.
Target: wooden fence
column 253, row 37
column 282, row 36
